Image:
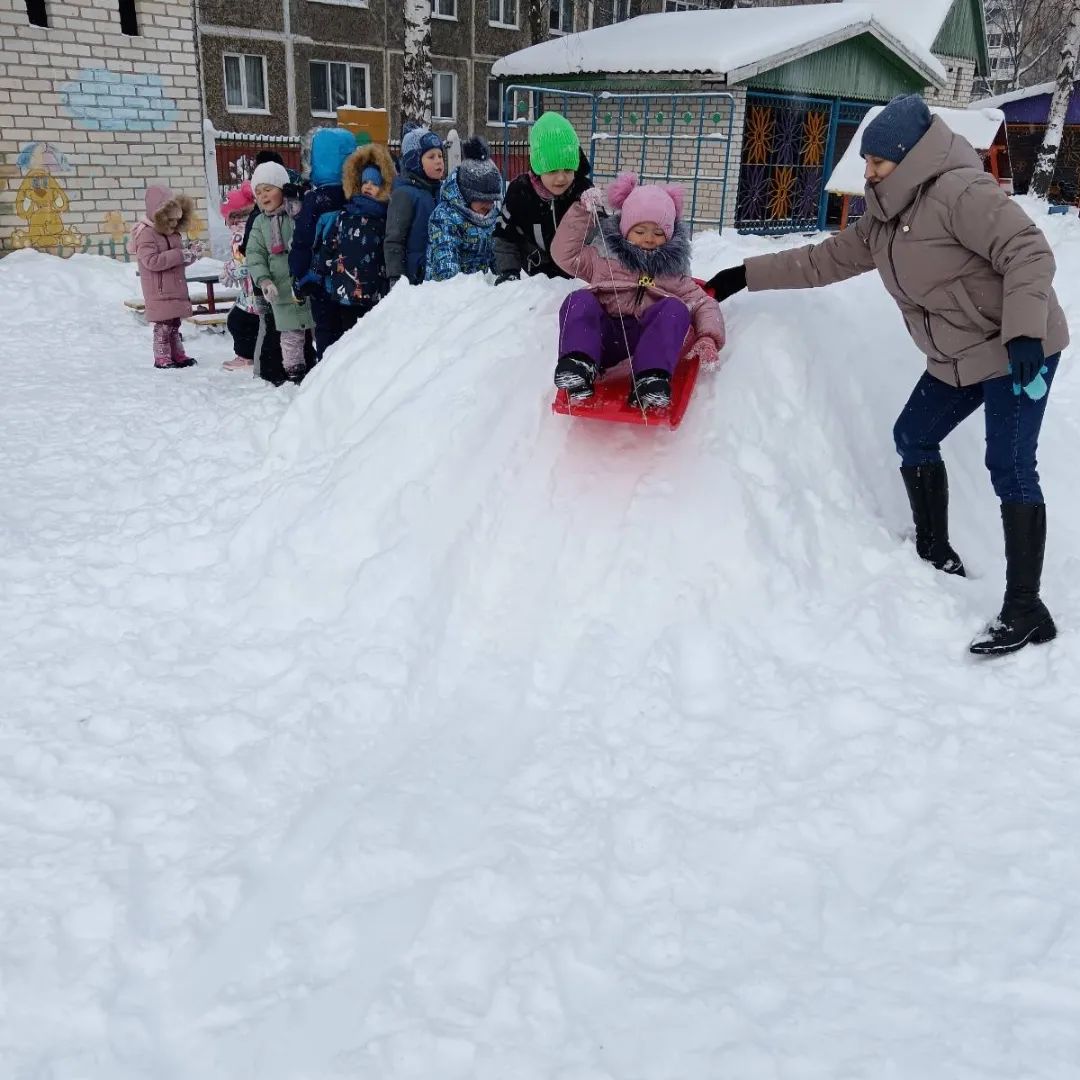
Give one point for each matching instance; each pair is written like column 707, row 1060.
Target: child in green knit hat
column 536, row 201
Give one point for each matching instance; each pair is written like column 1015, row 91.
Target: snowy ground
column 396, row 729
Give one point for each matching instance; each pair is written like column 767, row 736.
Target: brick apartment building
column 283, row 67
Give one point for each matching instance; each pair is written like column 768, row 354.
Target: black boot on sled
column 1024, row 619
column 652, row 390
column 928, row 493
column 576, row 374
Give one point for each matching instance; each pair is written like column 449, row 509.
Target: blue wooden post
column 826, row 172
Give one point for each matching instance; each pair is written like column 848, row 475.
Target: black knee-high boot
column 1024, row 618
column 928, row 493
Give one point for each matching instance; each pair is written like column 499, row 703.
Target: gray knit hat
column 478, row 177
column 898, row 127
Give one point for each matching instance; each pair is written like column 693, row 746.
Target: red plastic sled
column 610, row 401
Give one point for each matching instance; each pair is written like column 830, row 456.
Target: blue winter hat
column 330, row 147
column 478, row 177
column 371, row 175
column 414, row 145
column 897, row 128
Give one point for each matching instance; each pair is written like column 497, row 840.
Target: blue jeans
column 1012, row 429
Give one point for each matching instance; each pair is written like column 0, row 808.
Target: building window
column 519, row 107
column 682, row 5
column 993, row 40
column 36, row 13
column 245, row 83
column 620, row 10
column 444, row 9
column 335, row 84
column 502, row 13
column 443, row 87
column 129, row 21
column 561, row 16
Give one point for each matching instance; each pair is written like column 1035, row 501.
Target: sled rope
column 622, row 322
column 562, row 327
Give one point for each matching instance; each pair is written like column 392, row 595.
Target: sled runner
column 610, row 401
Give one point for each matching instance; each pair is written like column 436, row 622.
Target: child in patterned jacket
column 349, row 252
column 463, row 224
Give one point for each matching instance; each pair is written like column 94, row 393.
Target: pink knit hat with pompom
column 659, row 203
column 238, row 200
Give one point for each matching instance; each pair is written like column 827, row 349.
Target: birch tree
column 1046, row 162
column 416, row 80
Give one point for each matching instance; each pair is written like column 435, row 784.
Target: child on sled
column 641, row 301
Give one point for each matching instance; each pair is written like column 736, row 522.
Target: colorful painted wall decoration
column 102, row 100
column 41, row 200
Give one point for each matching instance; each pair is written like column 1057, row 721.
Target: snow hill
column 396, row 729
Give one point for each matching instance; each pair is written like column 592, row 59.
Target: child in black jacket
column 536, row 201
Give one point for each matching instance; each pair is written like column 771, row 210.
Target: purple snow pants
column 655, row 340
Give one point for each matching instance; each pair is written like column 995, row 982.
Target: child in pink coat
column 641, row 301
column 157, row 243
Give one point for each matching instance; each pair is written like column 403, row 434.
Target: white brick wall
column 957, row 92
column 92, row 116
column 709, row 199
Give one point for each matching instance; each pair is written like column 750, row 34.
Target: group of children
column 313, row 257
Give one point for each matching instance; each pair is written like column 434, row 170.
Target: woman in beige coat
column 971, row 274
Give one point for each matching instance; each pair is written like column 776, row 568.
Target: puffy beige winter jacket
column 967, row 267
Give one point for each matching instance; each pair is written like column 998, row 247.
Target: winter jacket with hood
column 330, row 149
column 263, row 264
column 628, row 280
column 349, row 249
column 407, row 218
column 459, row 239
column 967, row 267
column 160, row 254
column 530, row 215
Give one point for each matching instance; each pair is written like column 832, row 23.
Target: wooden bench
column 209, row 320
column 223, row 299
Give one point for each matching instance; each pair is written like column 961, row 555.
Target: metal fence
column 662, row 137
column 790, row 146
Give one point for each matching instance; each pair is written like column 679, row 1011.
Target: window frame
column 675, row 6
column 436, row 14
column 527, row 118
column 502, row 4
column 452, row 75
column 245, row 109
column 560, row 6
column 348, row 65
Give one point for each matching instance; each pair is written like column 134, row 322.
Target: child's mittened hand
column 592, row 199
column 269, row 291
column 191, row 255
column 704, row 350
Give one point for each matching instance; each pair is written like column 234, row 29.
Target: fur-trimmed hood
column 372, row 154
column 670, row 260
column 158, row 200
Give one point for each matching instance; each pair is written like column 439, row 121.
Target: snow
column 980, row 128
column 735, row 43
column 1014, row 95
column 918, row 19
column 396, row 728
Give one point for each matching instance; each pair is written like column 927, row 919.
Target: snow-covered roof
column 1014, row 95
column 737, row 44
column 921, row 20
column 978, row 126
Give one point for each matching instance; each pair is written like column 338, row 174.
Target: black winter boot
column 651, row 390
column 576, row 373
column 928, row 492
column 1023, row 617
